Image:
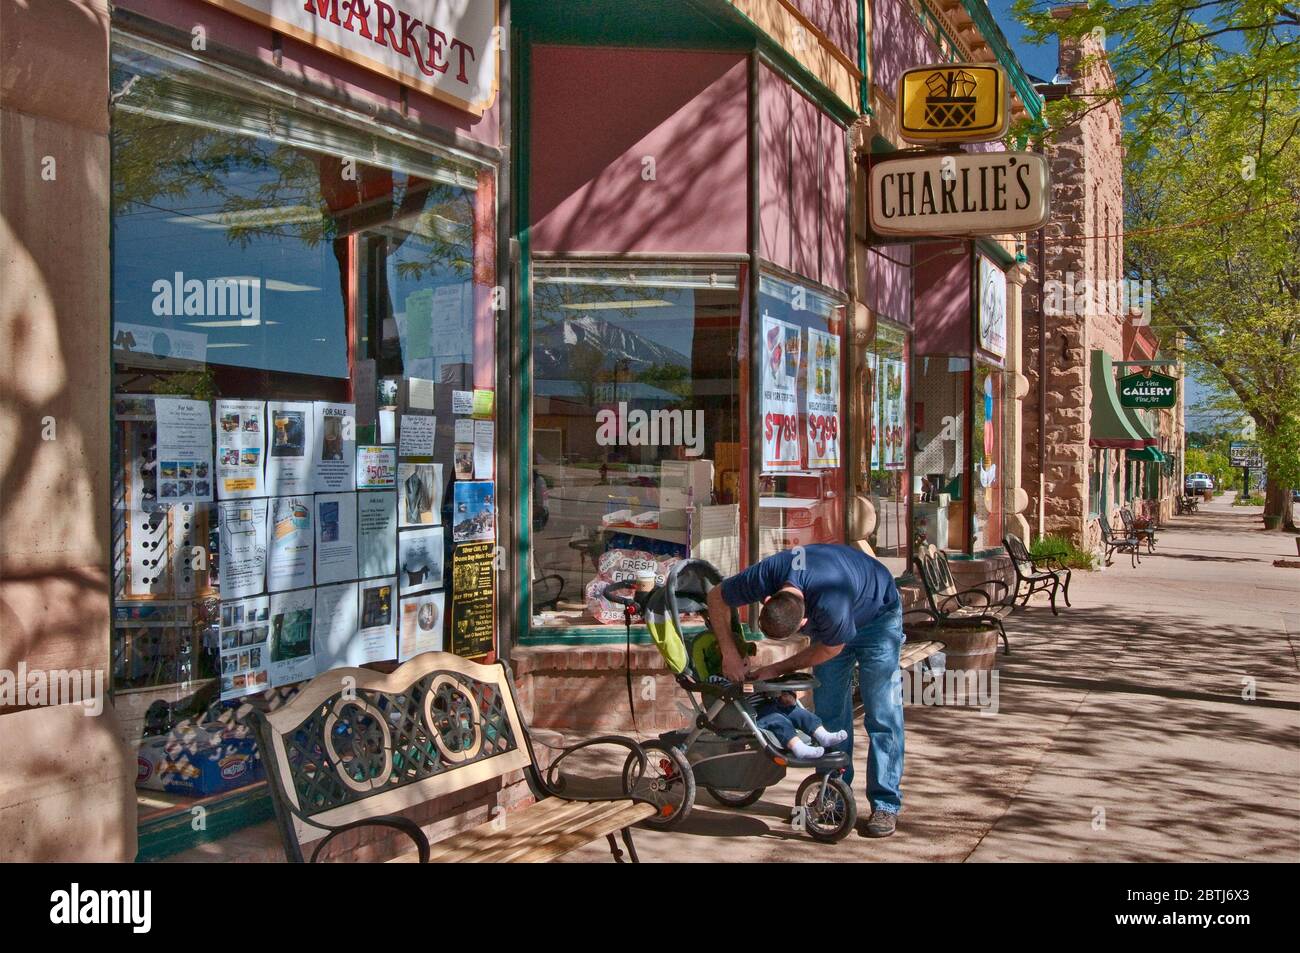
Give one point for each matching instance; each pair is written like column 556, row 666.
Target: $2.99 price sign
column 823, row 440
column 780, row 440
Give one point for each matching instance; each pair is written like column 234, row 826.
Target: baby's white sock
column 801, row 749
column 829, row 738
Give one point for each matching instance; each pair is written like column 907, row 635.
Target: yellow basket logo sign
column 961, row 102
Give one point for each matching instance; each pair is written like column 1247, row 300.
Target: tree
column 1212, row 192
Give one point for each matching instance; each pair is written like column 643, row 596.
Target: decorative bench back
column 936, row 576
column 357, row 744
column 1107, row 534
column 1018, row 552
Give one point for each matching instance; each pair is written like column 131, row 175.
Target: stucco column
column 1016, row 389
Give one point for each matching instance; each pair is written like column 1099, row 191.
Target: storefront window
column 987, row 440
column 802, row 483
column 638, row 454
column 1095, row 476
column 887, row 380
column 303, row 423
column 941, row 390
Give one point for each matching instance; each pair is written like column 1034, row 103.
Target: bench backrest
column 357, row 744
column 1126, row 517
column 1018, row 552
column 1104, row 525
column 936, row 576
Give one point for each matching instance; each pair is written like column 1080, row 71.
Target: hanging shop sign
column 993, row 308
column 447, row 48
column 961, row 194
column 1147, row 389
column 955, row 102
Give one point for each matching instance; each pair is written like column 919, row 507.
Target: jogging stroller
column 725, row 751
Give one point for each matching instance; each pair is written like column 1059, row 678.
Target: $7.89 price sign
column 780, row 440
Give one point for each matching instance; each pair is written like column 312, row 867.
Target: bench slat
column 914, row 652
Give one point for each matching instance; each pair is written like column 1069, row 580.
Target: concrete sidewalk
column 1121, row 731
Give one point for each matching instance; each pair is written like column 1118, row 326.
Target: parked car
column 1198, row 483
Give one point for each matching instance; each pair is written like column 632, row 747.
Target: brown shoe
column 880, row 824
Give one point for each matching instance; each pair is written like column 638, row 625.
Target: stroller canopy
column 686, row 591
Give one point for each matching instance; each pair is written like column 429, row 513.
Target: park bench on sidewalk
column 1145, row 533
column 355, row 747
column 1186, row 505
column 1036, row 574
column 946, row 606
column 1118, row 544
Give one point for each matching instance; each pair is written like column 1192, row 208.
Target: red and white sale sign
column 782, row 352
column 822, row 400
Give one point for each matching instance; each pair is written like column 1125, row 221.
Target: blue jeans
column 783, row 721
column 875, row 649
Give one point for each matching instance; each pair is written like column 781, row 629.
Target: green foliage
column 1064, row 549
column 1214, row 461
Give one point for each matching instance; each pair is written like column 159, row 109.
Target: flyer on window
column 184, row 450
column 376, row 468
column 376, row 638
column 420, row 625
column 336, row 625
column 420, row 485
column 289, row 458
column 376, row 534
column 473, row 513
column 416, row 436
column 292, row 544
column 782, row 347
column 334, row 427
column 484, row 447
column 473, row 599
column 242, row 534
column 419, row 559
column 291, row 636
column 245, row 647
column 822, row 400
column 241, row 443
column 336, row 537
column 893, row 385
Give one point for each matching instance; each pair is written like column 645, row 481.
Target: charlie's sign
column 961, row 194
column 447, row 48
column 956, row 102
column 1148, row 390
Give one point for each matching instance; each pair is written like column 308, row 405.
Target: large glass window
column 638, row 449
column 802, row 464
column 941, row 389
column 987, row 441
column 303, row 427
column 890, row 444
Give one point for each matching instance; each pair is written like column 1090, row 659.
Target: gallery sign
column 961, row 194
column 955, row 102
column 1148, row 390
column 447, row 48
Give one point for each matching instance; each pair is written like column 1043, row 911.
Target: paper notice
column 336, row 625
column 419, row 393
column 336, row 537
column 376, row 534
column 376, row 639
column 291, row 636
column 376, row 468
column 473, row 512
column 464, row 431
column 484, row 442
column 288, row 461
column 335, row 429
column 292, row 543
column 242, row 571
column 782, row 347
column 420, row 485
column 184, row 450
column 473, row 582
column 419, row 559
column 421, row 625
column 483, row 403
column 245, row 647
column 462, row 402
column 241, row 443
column 416, row 437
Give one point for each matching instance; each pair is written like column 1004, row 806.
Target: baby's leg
column 781, row 726
column 811, row 725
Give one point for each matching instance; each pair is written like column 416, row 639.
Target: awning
column 1109, row 427
column 1145, row 455
column 1138, row 421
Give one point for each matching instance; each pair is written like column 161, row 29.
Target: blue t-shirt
column 843, row 588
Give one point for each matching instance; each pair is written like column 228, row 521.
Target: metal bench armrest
column 395, row 821
column 553, row 786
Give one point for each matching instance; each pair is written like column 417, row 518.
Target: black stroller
column 725, row 751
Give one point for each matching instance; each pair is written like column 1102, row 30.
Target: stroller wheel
column 669, row 782
column 830, row 818
column 736, row 799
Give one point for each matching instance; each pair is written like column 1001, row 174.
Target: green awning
column 1145, row 455
column 1138, row 421
column 1109, row 426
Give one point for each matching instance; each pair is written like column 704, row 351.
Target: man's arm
column 814, row 654
column 733, row 666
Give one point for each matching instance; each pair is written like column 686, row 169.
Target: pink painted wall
column 803, row 200
column 597, row 113
column 943, row 305
column 889, row 282
column 306, row 62
column 838, row 19
column 898, row 42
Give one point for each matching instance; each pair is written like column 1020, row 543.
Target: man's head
column 783, row 614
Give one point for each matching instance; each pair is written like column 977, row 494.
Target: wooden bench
column 946, row 605
column 354, row 748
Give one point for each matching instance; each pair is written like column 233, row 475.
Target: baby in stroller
column 782, row 715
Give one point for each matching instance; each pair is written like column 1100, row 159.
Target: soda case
column 198, row 761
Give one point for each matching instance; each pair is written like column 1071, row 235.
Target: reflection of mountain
column 553, row 347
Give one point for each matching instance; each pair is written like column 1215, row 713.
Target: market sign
column 1147, row 389
column 447, row 48
column 957, row 102
column 962, row 194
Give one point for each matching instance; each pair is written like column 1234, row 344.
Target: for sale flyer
column 241, row 445
column 335, row 443
column 245, row 652
column 242, row 533
column 291, row 636
column 291, row 430
column 292, row 544
column 184, row 450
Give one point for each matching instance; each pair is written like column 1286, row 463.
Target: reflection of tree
column 585, row 362
column 674, row 378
